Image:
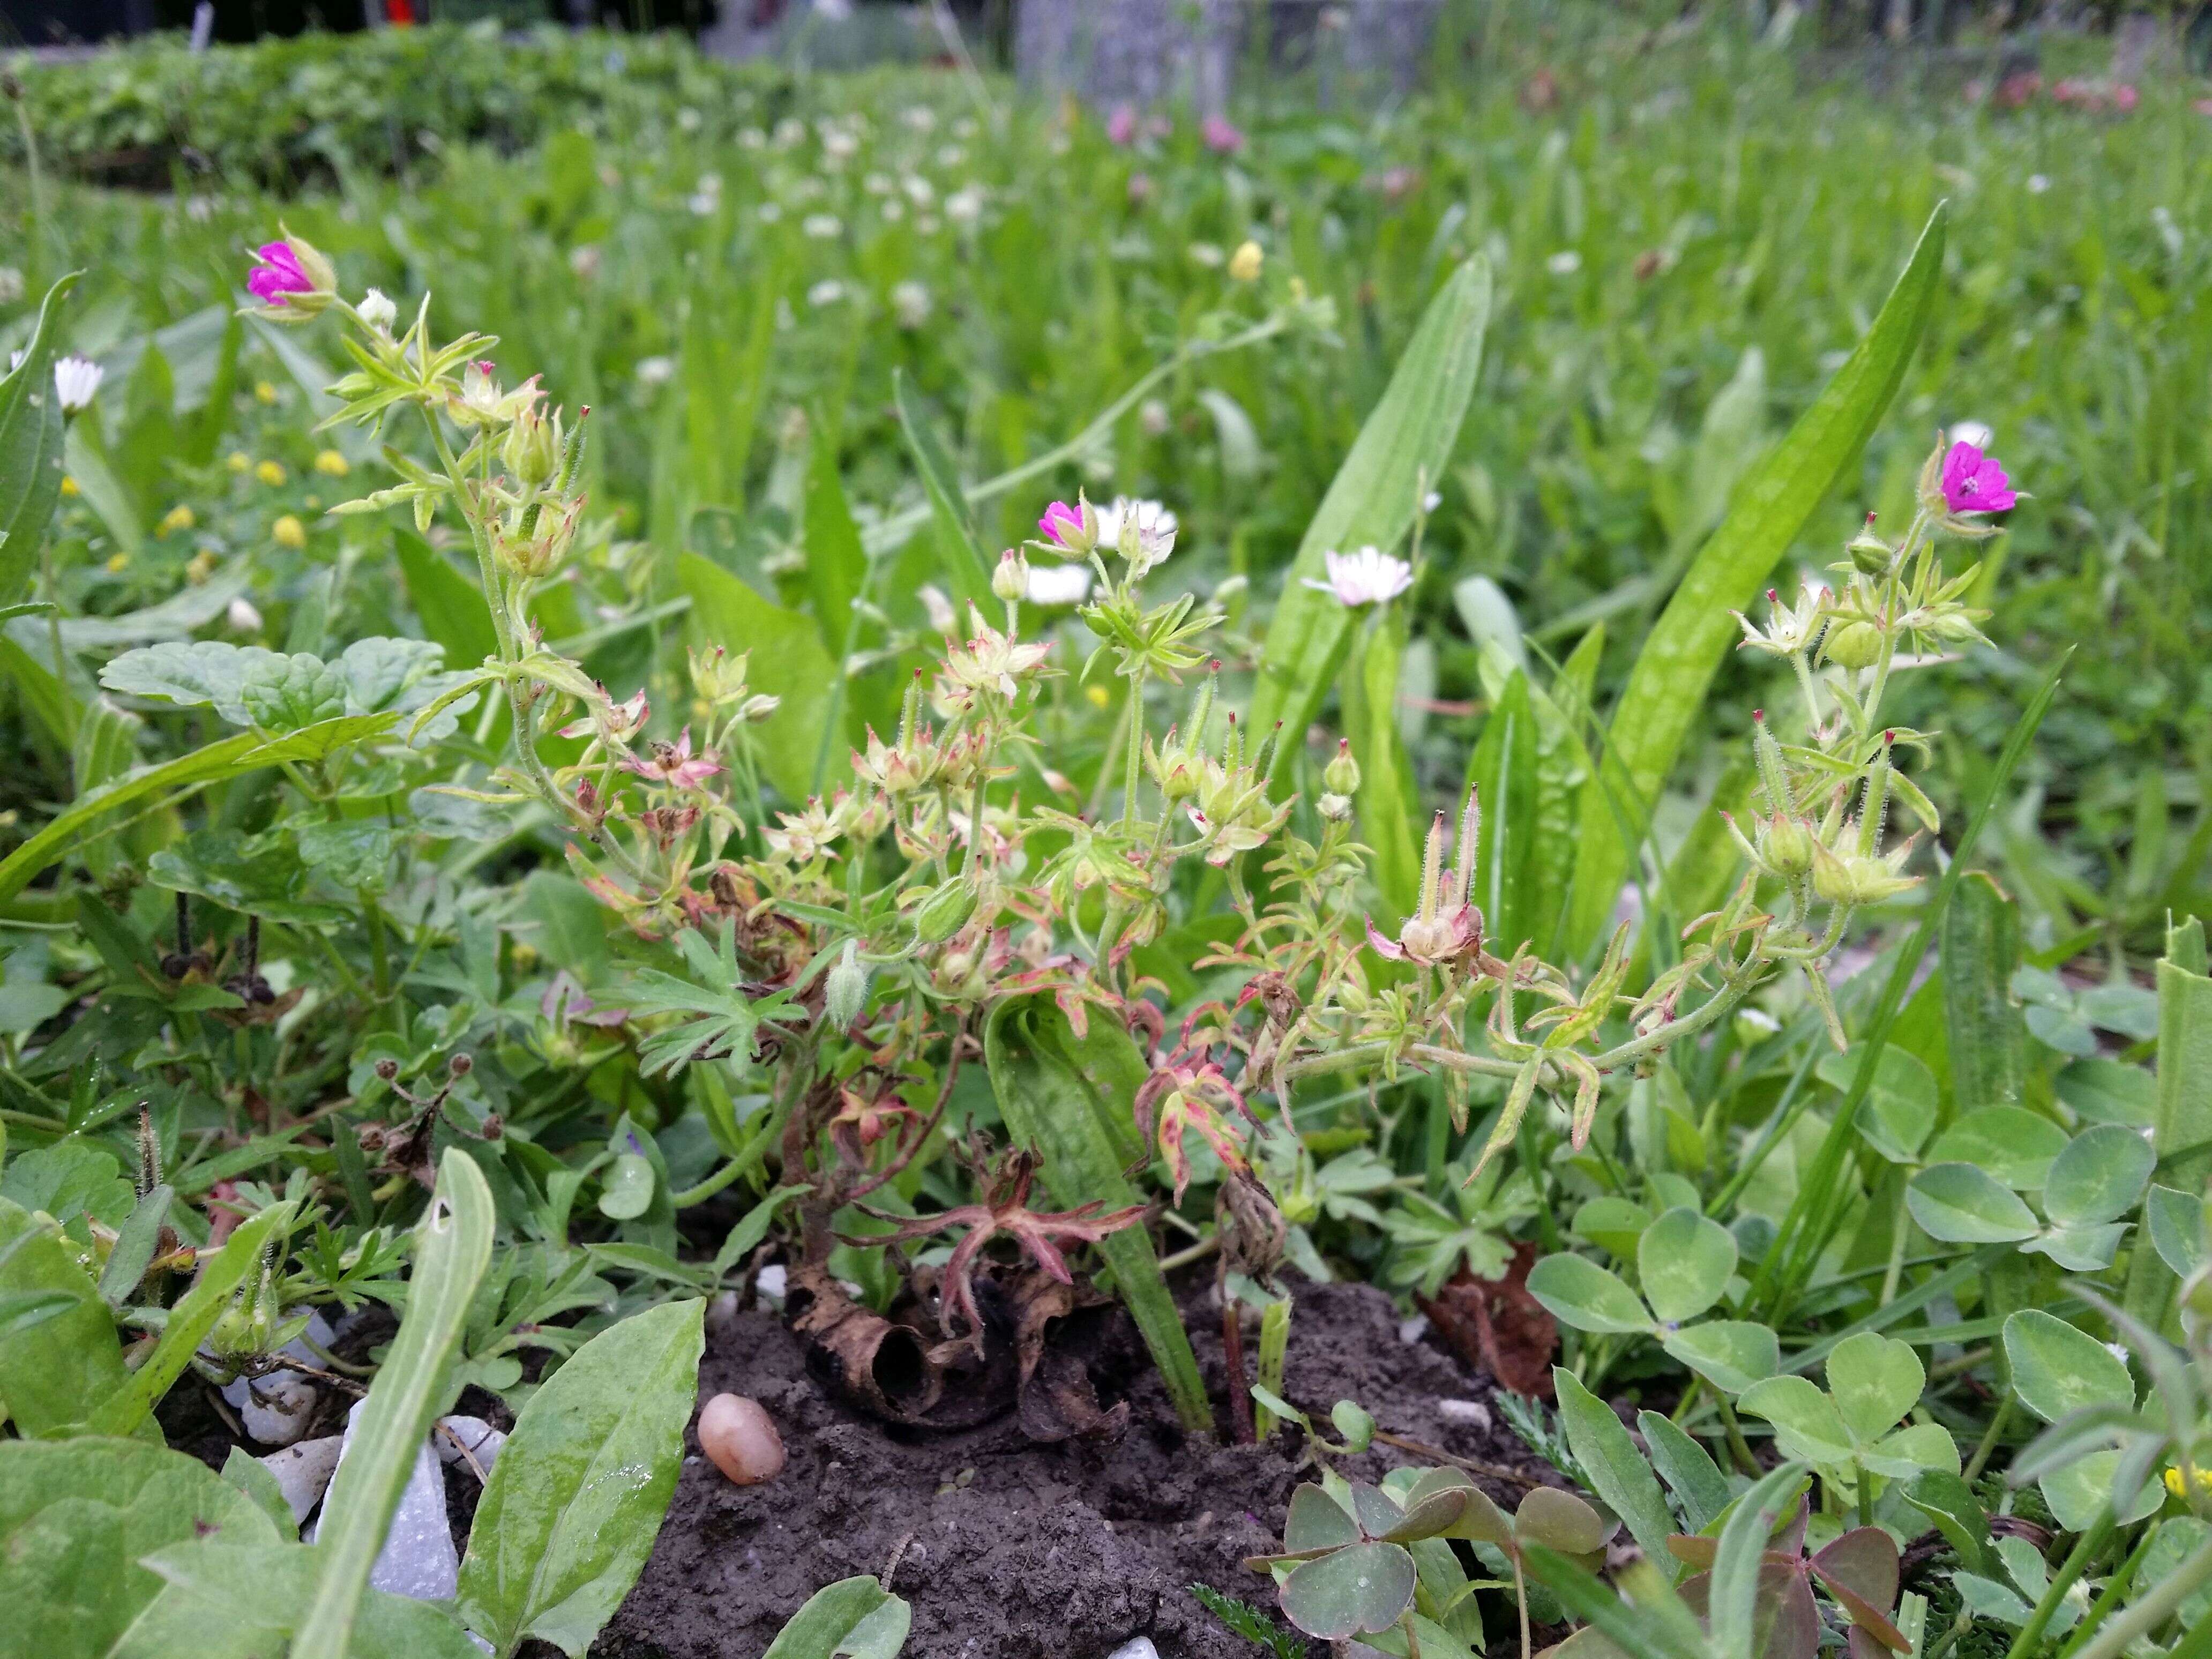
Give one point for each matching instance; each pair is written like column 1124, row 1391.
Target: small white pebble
column 1411, row 1331
column 1471, row 1412
column 741, row 1438
column 1137, row 1648
column 769, row 1282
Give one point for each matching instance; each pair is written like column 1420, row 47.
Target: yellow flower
column 270, row 473
column 1245, row 264
column 288, row 531
column 201, row 568
column 118, row 563
column 1097, row 694
column 180, row 517
column 2179, row 1488
column 332, row 464
column 237, row 460
column 68, row 485
column 265, row 393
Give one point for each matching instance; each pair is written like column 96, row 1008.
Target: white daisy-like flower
column 75, row 380
column 655, row 371
column 1369, row 576
column 1976, row 433
column 910, row 304
column 1566, row 263
column 965, row 206
column 821, row 225
column 1142, row 531
column 827, row 292
column 1059, row 584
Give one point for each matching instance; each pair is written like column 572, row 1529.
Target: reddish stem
column 1232, row 1352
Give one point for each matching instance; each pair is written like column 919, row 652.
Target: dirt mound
column 1008, row 1549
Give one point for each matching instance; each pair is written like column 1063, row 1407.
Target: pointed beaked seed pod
column 847, row 992
column 944, row 912
column 1341, row 775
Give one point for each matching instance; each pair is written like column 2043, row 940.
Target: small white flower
column 910, row 304
column 1432, row 501
column 2038, row 183
column 1566, row 263
column 920, row 118
column 584, row 260
column 76, row 379
column 1153, row 416
column 1059, row 584
column 11, row 285
column 242, row 616
column 951, row 156
column 877, row 184
column 751, row 138
column 770, row 212
column 378, row 310
column 1142, row 531
column 827, row 292
column 2118, row 1351
column 1976, row 433
column 655, row 371
column 964, row 207
column 789, row 132
column 689, row 119
column 821, row 225
column 919, row 190
column 894, row 210
column 1208, row 254
column 1367, row 577
column 938, row 609
column 704, row 203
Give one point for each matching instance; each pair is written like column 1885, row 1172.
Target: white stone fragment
column 418, row 1559
column 1471, row 1412
column 303, row 1472
column 1138, row 1647
column 481, row 1441
column 1411, row 1331
column 276, row 1409
column 769, row 1283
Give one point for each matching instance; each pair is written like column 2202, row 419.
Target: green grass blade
column 965, row 563
column 1401, row 451
column 30, row 450
column 1667, row 687
column 453, row 1247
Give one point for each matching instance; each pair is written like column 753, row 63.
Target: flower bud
column 847, row 992
column 1010, row 580
column 1245, row 264
column 717, row 676
column 758, row 707
column 1789, row 847
column 532, row 449
column 1341, row 775
column 944, row 912
column 1870, row 554
column 1853, row 645
column 377, row 310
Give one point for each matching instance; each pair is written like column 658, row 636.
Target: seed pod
column 847, row 992
column 944, row 912
column 1855, row 644
column 740, row 1437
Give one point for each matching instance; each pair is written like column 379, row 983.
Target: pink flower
column 1221, row 135
column 1065, row 526
column 2125, row 98
column 277, row 273
column 1122, row 126
column 672, row 765
column 1974, row 483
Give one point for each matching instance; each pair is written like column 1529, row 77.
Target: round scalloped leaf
column 1960, row 1204
column 1731, row 1354
column 2058, row 1368
column 1874, row 1380
column 2099, row 1177
column 1684, row 1260
column 1359, row 1590
column 1580, row 1293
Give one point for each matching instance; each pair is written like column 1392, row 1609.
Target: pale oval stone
column 741, row 1439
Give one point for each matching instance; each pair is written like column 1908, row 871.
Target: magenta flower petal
column 1974, row 483
column 1058, row 521
column 277, row 274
